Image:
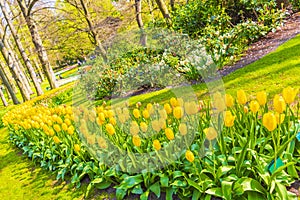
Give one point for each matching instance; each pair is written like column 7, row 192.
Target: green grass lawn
column 21, row 179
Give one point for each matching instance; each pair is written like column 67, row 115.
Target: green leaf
column 177, row 174
column 169, row 193
column 179, row 183
column 155, row 188
column 131, row 181
column 196, row 195
column 164, row 181
column 103, row 185
column 226, row 189
column 217, row 191
column 223, row 170
column 137, row 190
column 120, row 193
column 194, row 184
column 281, row 191
column 250, row 184
column 277, row 171
column 145, row 195
column 97, row 180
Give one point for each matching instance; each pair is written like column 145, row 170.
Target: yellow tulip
column 91, row 139
column 246, row 109
column 136, row 140
column 174, row 102
column 113, row 121
column 189, row 156
column 101, row 142
column 254, row 106
column 261, row 98
column 146, row 114
column 210, row 133
column 169, row 133
column 241, row 97
column 182, row 129
column 269, row 121
column 190, row 108
column 289, row 94
column 219, row 102
column 163, row 114
column 71, row 130
column 57, row 128
column 168, row 108
column 229, row 119
column 64, row 126
column 56, row 140
column 136, row 113
column 178, row 112
column 110, row 129
column 122, row 118
column 134, row 128
column 156, row 125
column 76, row 148
column 68, row 122
column 279, row 104
column 229, row 100
column 156, row 145
column 150, row 108
column 144, row 127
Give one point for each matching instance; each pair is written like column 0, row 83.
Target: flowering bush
column 250, row 152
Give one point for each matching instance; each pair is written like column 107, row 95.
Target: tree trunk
column 138, row 13
column 8, row 85
column 93, row 33
column 24, row 56
column 172, row 3
column 38, row 44
column 163, row 9
column 12, row 64
column 3, row 97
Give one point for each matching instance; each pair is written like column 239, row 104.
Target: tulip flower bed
column 251, row 152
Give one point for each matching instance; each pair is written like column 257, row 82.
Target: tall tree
column 163, row 9
column 7, row 84
column 22, row 51
column 11, row 63
column 2, row 96
column 138, row 13
column 27, row 11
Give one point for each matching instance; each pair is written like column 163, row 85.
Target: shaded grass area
column 21, row 179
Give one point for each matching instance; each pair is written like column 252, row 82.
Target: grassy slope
column 20, row 179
